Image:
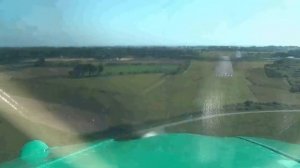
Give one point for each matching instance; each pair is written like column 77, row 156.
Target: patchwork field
column 267, row 89
column 138, row 93
column 130, row 97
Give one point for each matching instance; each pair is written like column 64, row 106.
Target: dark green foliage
column 295, row 53
column 280, row 55
column 252, row 48
column 100, row 68
column 285, row 68
column 273, row 72
column 260, row 106
column 12, row 55
column 295, row 88
column 86, row 70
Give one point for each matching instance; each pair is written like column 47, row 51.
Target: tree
column 81, row 70
column 248, row 103
column 78, row 71
column 91, row 69
column 100, row 69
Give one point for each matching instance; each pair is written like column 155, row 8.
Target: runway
column 224, row 67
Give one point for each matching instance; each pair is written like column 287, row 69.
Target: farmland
column 140, row 91
column 134, row 69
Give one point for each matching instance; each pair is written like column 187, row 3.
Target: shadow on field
column 125, row 132
column 11, row 140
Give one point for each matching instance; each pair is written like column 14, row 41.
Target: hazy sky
column 149, row 22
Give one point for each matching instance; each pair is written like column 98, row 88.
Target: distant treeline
column 253, row 48
column 293, row 53
column 10, row 55
column 254, row 106
column 283, row 68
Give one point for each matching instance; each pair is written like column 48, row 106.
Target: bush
column 83, row 70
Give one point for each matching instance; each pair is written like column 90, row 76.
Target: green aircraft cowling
column 34, row 151
column 173, row 151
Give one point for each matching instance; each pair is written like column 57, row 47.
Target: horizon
column 145, row 46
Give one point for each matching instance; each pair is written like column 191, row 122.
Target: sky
column 149, row 22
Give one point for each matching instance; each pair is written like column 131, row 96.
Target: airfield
column 146, row 96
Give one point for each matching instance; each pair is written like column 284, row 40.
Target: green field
column 135, row 69
column 136, row 94
column 267, row 89
column 130, row 97
column 280, row 126
column 137, row 98
column 121, row 99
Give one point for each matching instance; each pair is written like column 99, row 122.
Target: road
column 224, row 67
column 159, row 129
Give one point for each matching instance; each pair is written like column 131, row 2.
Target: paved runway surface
column 238, row 54
column 224, row 67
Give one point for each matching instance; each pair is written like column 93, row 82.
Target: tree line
column 13, row 55
column 86, row 70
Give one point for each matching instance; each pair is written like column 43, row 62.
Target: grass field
column 136, row 98
column 134, row 69
column 16, row 131
column 248, row 83
column 281, row 126
column 128, row 97
column 267, row 89
column 135, row 94
column 120, row 99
